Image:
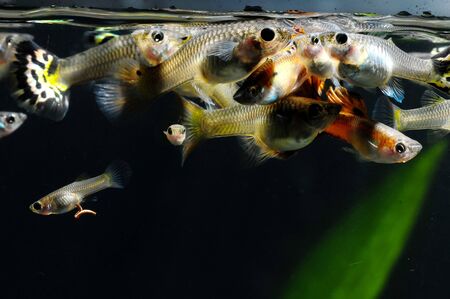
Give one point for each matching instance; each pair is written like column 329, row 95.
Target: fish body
column 73, row 195
column 43, row 79
column 222, row 54
column 275, row 129
column 10, row 122
column 277, row 77
column 370, row 61
column 371, row 140
column 434, row 115
column 176, row 134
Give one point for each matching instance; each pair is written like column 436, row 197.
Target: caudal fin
column 127, row 93
column 387, row 113
column 38, row 87
column 441, row 64
column 193, row 119
column 119, row 173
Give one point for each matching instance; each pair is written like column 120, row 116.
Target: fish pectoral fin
column 203, row 96
column 394, row 89
column 355, row 153
column 429, row 97
column 83, row 211
column 224, row 50
column 258, row 151
column 435, row 135
column 82, row 177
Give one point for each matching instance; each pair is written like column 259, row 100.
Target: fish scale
column 96, row 62
column 429, row 117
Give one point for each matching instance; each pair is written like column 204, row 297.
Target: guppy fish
column 43, row 79
column 369, row 61
column 73, row 195
column 371, row 140
column 222, row 54
column 434, row 115
column 277, row 77
column 276, row 130
column 10, row 122
column 176, row 134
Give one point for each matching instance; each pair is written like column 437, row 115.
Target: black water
column 212, row 229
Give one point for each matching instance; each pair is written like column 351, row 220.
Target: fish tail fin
column 193, row 120
column 39, row 88
column 119, row 173
column 441, row 65
column 127, row 94
column 387, row 113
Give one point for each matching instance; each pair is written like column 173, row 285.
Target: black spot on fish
column 45, row 56
column 53, row 66
column 38, row 85
column 357, row 112
column 34, row 75
column 43, row 94
column 37, row 62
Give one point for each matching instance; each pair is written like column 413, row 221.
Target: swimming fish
column 73, row 195
column 434, row 115
column 369, row 61
column 315, row 58
column 176, row 134
column 10, row 122
column 371, row 140
column 277, row 77
column 276, row 130
column 43, row 79
column 222, row 54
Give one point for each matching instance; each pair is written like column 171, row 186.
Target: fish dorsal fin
column 82, row 177
column 429, row 97
column 394, row 89
column 223, row 50
column 385, row 112
column 391, row 42
column 351, row 103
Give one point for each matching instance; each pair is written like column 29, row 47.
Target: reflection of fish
column 435, row 115
column 277, row 77
column 176, row 134
column 221, row 54
column 10, row 122
column 73, row 195
column 372, row 141
column 275, row 130
column 43, row 79
column 370, row 61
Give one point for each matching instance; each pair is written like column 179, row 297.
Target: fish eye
column 8, row 40
column 315, row 110
column 139, row 73
column 267, row 34
column 341, row 38
column 183, row 131
column 10, row 119
column 37, row 206
column 169, row 130
column 253, row 91
column 314, row 40
column 157, row 36
column 400, row 148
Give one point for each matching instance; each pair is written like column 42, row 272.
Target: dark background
column 212, row 229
